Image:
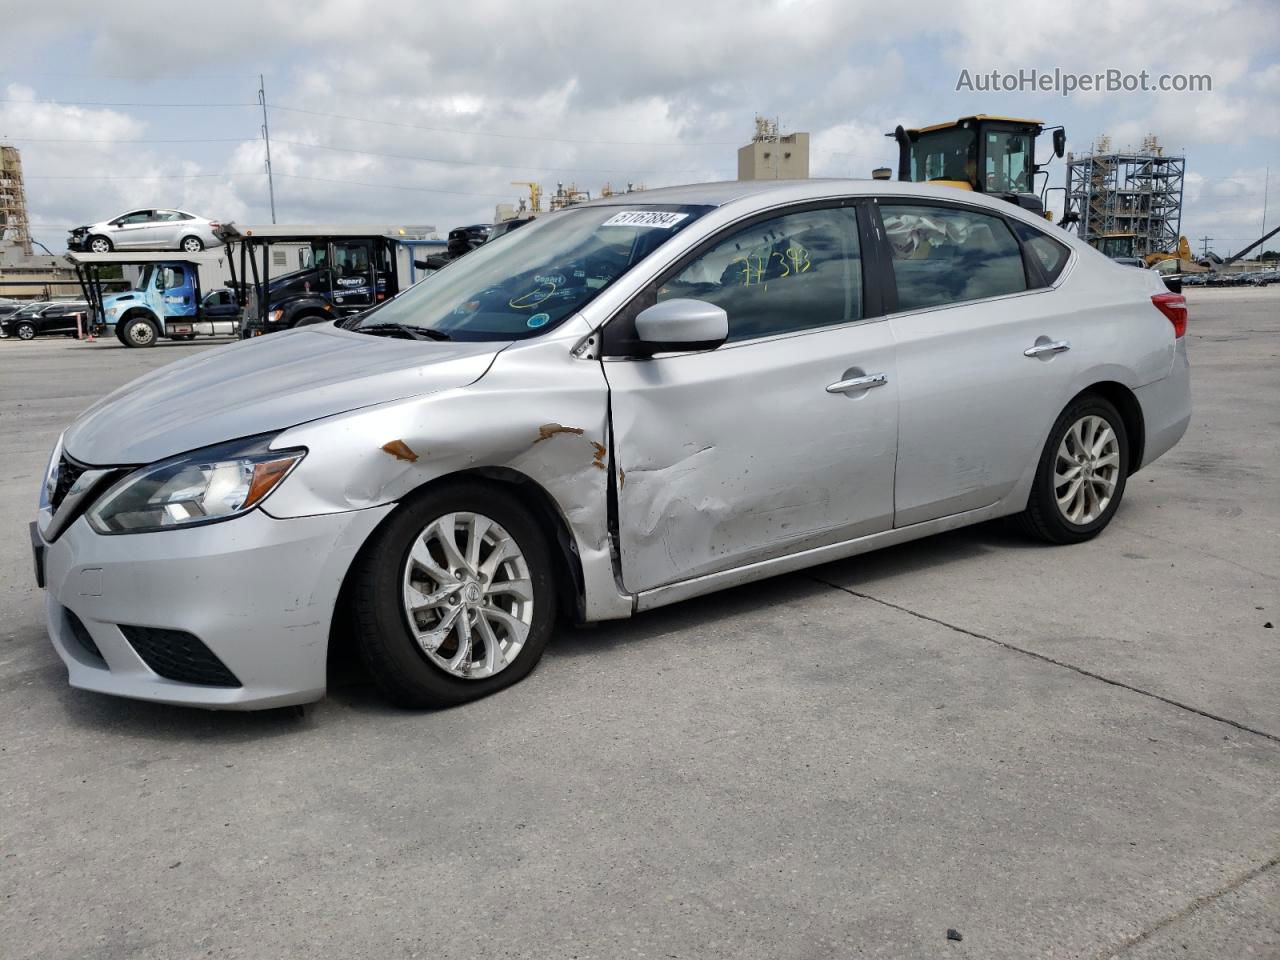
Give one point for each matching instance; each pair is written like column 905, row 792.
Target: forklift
column 986, row 154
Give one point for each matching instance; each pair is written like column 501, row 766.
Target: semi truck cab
column 167, row 301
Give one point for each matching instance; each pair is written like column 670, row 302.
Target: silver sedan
column 148, row 229
column 619, row 406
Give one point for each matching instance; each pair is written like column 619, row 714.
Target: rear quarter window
column 1052, row 255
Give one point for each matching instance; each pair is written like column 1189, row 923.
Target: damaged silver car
column 621, row 405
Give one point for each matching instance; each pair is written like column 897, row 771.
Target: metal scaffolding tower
column 1116, row 195
column 13, row 201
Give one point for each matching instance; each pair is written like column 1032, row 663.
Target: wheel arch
column 1130, row 410
column 570, row 582
column 145, row 313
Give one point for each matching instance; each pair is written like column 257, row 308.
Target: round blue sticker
column 539, row 320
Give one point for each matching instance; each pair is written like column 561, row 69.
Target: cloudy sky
column 382, row 114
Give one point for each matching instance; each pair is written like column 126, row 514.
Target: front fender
column 538, row 410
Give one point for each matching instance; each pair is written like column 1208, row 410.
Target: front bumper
column 257, row 592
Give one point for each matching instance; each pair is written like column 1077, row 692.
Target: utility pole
column 1204, row 247
column 1266, row 186
column 266, row 135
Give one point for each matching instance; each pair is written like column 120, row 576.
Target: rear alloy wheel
column 26, row 331
column 454, row 597
column 99, row 245
column 192, row 244
column 139, row 332
column 1081, row 476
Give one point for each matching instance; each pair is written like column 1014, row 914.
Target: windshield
column 528, row 281
column 144, row 278
column 1010, row 159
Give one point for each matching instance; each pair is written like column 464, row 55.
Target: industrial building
column 774, row 156
column 23, row 275
column 1126, row 203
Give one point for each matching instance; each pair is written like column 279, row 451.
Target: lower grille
column 82, row 635
column 180, row 656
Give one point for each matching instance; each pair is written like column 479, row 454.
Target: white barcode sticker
column 661, row 219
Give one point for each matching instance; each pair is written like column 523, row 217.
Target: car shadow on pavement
column 351, row 689
column 140, row 719
column 864, row 570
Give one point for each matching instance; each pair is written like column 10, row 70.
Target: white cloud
column 623, row 83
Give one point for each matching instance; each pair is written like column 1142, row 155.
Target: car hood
column 109, row 301
column 265, row 384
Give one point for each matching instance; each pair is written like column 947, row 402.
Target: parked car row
column 44, row 318
column 1253, row 278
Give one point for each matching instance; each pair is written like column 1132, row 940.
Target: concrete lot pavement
column 1069, row 752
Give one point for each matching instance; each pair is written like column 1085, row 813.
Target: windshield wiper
column 405, row 330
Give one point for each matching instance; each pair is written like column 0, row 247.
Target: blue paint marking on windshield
column 539, row 320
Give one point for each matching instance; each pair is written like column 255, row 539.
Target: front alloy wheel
column 99, row 245
column 26, row 331
column 454, row 595
column 467, row 595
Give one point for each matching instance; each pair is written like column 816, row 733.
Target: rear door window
column 947, row 255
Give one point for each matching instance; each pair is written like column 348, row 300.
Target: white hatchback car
column 618, row 406
column 149, row 229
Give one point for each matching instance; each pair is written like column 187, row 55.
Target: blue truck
column 176, row 296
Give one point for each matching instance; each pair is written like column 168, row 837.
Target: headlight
column 205, row 486
column 276, row 315
column 51, row 475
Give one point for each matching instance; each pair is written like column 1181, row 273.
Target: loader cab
column 986, row 154
column 1117, row 246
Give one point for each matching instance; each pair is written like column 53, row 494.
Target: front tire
column 1081, row 476
column 100, row 245
column 454, row 597
column 25, row 331
column 139, row 332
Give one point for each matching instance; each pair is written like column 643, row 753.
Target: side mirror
column 682, row 325
column 1059, row 142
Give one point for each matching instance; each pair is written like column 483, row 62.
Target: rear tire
column 435, row 627
column 1081, row 476
column 191, row 245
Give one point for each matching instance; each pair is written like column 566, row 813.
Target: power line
column 390, row 123
column 152, row 176
column 109, row 103
column 504, row 136
column 392, row 186
column 475, row 163
column 114, row 140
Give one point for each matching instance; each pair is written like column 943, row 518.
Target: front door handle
column 1048, row 348
column 858, row 383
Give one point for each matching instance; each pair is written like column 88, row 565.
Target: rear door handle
column 1050, row 348
column 858, row 383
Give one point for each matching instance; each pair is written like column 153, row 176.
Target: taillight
column 1173, row 306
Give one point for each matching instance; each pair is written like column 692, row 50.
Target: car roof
column 723, row 192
